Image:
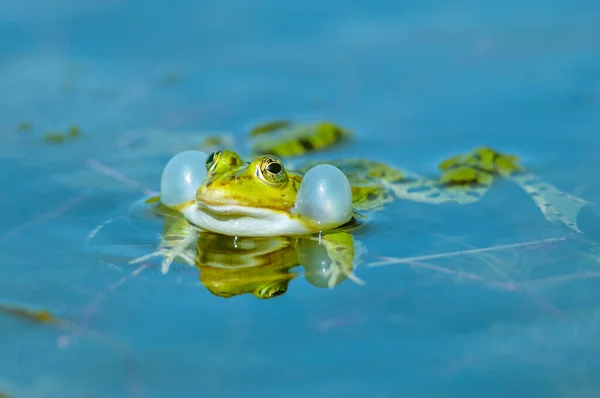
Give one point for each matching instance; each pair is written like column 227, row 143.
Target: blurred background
column 98, row 95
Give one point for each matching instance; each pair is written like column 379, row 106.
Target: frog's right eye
column 211, row 160
column 271, row 170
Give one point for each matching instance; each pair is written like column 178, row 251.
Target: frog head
column 261, row 189
column 257, row 198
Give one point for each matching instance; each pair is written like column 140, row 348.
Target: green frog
column 220, row 192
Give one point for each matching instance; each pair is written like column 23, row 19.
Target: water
column 415, row 82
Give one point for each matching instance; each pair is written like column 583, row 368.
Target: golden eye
column 211, row 160
column 271, row 170
column 274, row 168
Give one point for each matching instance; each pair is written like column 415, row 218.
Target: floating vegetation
column 153, row 199
column 23, row 127
column 215, row 141
column 284, row 139
column 54, row 137
column 269, row 127
column 43, row 316
column 72, row 133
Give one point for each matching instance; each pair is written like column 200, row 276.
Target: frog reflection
column 231, row 266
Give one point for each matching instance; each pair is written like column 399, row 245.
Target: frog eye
column 271, row 170
column 211, row 160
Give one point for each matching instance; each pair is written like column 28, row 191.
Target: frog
column 262, row 267
column 261, row 196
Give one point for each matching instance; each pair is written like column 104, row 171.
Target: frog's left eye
column 211, row 160
column 271, row 170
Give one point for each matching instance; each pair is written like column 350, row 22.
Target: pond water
column 486, row 299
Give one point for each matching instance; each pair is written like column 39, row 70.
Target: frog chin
column 244, row 221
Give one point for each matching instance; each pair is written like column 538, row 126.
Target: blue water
column 415, row 82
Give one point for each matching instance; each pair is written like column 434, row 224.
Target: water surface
column 414, row 82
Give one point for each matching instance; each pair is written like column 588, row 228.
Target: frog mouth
column 236, row 220
column 229, row 210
